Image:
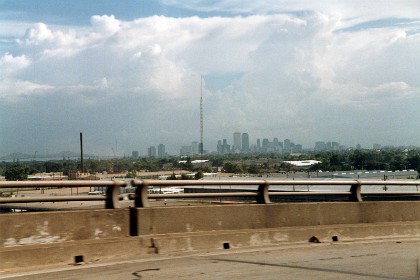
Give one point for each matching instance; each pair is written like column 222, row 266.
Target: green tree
column 254, row 169
column 398, row 162
column 414, row 162
column 230, row 167
column 172, row 177
column 52, row 166
column 199, row 175
column 187, row 165
column 358, row 159
column 185, row 177
column 16, row 172
column 131, row 174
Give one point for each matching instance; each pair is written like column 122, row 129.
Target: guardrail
column 261, row 194
column 111, row 198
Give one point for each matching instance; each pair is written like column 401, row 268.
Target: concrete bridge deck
column 155, row 235
column 380, row 259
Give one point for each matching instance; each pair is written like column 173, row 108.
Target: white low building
column 303, row 163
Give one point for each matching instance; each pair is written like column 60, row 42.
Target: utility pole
column 81, row 152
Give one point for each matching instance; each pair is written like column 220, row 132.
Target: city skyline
column 128, row 73
column 261, row 145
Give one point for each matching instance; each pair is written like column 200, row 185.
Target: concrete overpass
column 62, row 238
column 32, row 241
column 382, row 259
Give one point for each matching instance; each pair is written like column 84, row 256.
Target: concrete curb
column 222, row 240
column 126, row 248
column 74, row 252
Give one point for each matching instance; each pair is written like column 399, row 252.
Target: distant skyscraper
column 161, row 150
column 265, row 143
column 151, row 151
column 135, row 154
column 219, row 146
column 287, row 145
column 225, row 147
column 329, row 146
column 320, row 146
column 195, row 148
column 237, row 143
column 185, row 151
column 245, row 142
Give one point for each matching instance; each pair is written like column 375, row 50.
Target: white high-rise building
column 237, row 141
column 161, row 150
column 151, row 151
column 245, row 142
column 195, row 148
column 185, row 151
column 287, row 146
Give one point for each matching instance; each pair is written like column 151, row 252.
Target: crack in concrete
column 321, row 269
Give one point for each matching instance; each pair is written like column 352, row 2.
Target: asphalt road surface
column 389, row 259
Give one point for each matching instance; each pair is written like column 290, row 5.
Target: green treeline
column 232, row 163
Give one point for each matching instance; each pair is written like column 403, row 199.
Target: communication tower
column 201, row 147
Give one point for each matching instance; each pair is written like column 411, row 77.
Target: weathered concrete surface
column 67, row 253
column 111, row 249
column 396, row 259
column 49, row 227
column 33, row 239
column 253, row 216
column 210, row 240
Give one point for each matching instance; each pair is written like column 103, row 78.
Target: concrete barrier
column 164, row 220
column 233, row 239
column 52, row 227
column 74, row 252
column 34, row 239
column 192, row 228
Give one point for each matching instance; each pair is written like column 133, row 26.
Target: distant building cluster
column 321, row 146
column 328, row 146
column 241, row 144
column 191, row 150
column 153, row 152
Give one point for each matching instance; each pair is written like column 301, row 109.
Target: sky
column 129, row 74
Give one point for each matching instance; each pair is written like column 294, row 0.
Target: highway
column 368, row 259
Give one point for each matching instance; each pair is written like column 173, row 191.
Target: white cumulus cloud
column 10, row 64
column 105, row 24
column 282, row 74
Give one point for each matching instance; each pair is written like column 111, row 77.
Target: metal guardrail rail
column 262, row 193
column 141, row 196
column 111, row 198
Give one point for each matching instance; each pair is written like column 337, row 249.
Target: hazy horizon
column 115, row 152
column 127, row 73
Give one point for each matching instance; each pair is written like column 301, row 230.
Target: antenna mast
column 201, row 120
